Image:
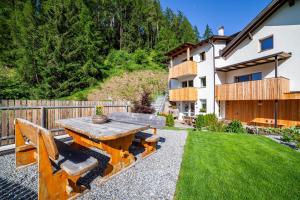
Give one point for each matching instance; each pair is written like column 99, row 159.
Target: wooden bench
column 147, row 140
column 59, row 166
column 265, row 122
column 189, row 120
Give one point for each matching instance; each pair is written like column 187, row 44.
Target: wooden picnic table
column 113, row 137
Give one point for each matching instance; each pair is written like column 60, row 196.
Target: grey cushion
column 73, row 162
column 139, row 118
column 147, row 137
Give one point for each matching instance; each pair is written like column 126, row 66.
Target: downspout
column 276, row 100
column 214, row 68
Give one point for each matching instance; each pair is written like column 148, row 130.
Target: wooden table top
column 107, row 131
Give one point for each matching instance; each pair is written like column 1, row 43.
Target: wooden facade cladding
column 183, row 94
column 183, row 69
column 263, row 111
column 266, row 89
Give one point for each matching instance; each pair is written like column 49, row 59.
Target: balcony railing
column 266, row 89
column 183, row 69
column 183, row 94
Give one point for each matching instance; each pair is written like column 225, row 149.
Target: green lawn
column 237, row 166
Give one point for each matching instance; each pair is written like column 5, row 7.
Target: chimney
column 221, row 31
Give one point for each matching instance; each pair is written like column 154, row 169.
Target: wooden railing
column 46, row 112
column 266, row 89
column 183, row 69
column 183, row 94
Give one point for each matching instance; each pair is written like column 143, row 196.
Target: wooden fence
column 46, row 112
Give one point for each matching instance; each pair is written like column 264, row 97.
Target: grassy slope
column 231, row 166
column 125, row 86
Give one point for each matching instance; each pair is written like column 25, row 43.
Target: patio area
column 154, row 177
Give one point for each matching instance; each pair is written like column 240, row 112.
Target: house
column 252, row 76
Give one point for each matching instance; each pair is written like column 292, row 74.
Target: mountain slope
column 129, row 86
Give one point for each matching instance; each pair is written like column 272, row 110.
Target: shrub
column 144, row 105
column 277, row 131
column 209, row 121
column 217, row 127
column 170, row 120
column 235, row 127
column 287, row 137
column 199, row 122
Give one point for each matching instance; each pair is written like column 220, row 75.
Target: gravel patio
column 154, row 177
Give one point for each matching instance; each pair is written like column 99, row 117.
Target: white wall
column 284, row 25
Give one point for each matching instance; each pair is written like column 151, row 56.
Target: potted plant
column 99, row 118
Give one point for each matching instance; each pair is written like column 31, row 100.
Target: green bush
column 278, row 131
column 199, row 122
column 209, row 121
column 217, row 127
column 235, row 127
column 170, row 120
column 287, row 137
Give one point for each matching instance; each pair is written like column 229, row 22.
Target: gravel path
column 151, row 178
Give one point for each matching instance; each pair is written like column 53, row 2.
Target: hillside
column 127, row 86
column 59, row 48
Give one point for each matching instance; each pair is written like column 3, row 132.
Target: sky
column 234, row 15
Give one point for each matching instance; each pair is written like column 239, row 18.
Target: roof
column 179, row 49
column 183, row 47
column 254, row 24
column 254, row 62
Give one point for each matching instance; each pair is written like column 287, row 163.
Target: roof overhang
column 254, row 62
column 254, row 24
column 179, row 50
column 182, row 48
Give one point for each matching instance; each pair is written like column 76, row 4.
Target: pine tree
column 207, row 33
column 197, row 34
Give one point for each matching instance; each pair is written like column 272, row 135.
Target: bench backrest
column 139, row 118
column 31, row 131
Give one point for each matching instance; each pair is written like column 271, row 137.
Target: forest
column 53, row 48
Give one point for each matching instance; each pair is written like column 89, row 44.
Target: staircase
column 159, row 103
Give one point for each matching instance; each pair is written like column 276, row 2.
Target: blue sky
column 234, row 15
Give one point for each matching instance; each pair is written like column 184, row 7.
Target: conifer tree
column 207, row 33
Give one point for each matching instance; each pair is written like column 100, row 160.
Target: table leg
column 78, row 141
column 120, row 158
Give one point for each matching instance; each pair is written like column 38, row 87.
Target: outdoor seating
column 59, row 166
column 149, row 142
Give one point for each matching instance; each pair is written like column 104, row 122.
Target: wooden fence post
column 43, row 116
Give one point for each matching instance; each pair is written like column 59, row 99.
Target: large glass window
column 248, row 77
column 184, row 84
column 191, row 83
column 266, row 43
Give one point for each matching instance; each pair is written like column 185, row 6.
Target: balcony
column 186, row 68
column 183, row 94
column 266, row 89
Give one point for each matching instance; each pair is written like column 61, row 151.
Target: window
column 203, row 105
column 202, row 56
column 191, row 83
column 266, row 43
column 256, row 76
column 248, row 77
column 203, row 82
column 184, row 84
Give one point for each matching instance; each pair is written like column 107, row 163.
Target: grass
column 177, row 128
column 237, row 166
